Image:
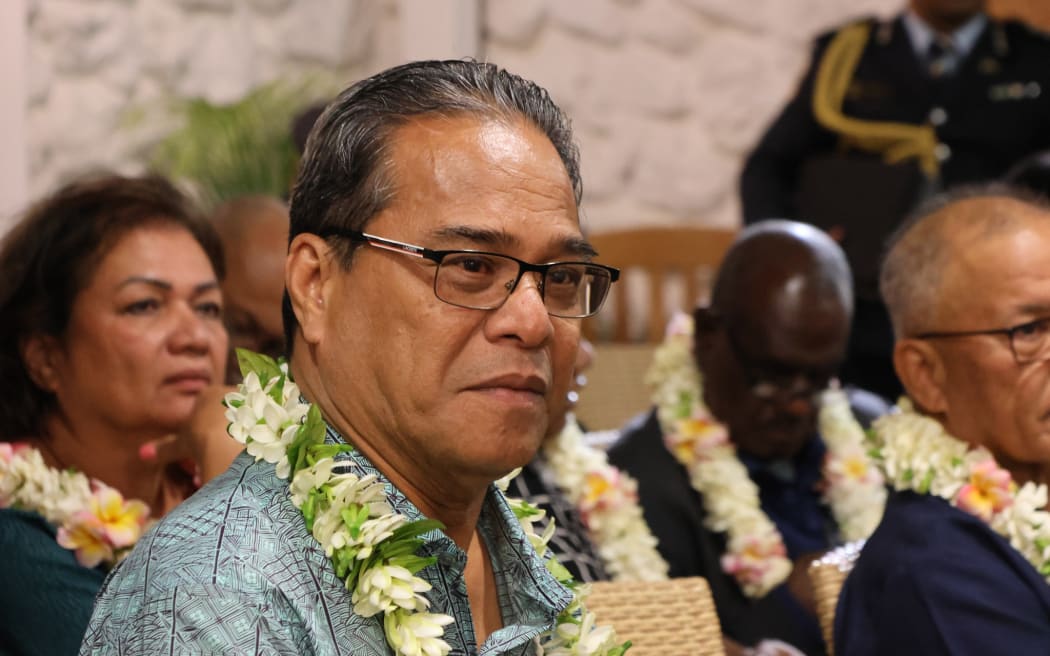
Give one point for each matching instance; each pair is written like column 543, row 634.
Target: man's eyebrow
column 1041, row 310
column 500, row 239
column 580, row 247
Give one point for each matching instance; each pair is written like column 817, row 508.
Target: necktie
column 941, row 56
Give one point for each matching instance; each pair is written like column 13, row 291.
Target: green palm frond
column 225, row 151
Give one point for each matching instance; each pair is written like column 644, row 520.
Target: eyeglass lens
column 484, row 281
column 1031, row 341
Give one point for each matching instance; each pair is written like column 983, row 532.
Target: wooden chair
column 664, row 618
column 655, row 263
column 661, row 257
column 828, row 573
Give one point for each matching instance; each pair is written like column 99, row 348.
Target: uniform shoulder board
column 1016, row 28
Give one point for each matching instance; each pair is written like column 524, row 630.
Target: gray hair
column 920, row 250
column 345, row 179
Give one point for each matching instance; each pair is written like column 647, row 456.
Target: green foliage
column 233, row 150
column 265, row 367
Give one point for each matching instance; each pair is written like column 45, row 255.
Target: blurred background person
column 110, row 293
column 254, row 234
column 889, row 112
column 959, row 563
column 735, row 463
column 599, row 533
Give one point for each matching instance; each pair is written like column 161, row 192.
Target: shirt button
column 942, row 152
column 938, row 116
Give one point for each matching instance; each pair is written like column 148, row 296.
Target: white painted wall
column 448, row 29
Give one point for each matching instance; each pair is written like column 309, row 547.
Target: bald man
column 254, row 233
column 768, row 344
column 967, row 283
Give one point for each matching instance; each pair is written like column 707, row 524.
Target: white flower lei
column 607, row 499
column 372, row 547
column 755, row 554
column 93, row 520
column 917, row 454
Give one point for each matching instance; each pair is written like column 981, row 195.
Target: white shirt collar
column 963, row 39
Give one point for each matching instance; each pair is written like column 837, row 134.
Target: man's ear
column 308, row 273
column 920, row 368
column 40, row 354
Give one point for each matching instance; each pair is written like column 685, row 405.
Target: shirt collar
column 539, row 603
column 963, row 39
column 803, row 468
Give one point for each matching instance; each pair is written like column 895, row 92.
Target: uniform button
column 938, row 116
column 942, row 152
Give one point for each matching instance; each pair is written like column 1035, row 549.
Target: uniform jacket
column 935, row 580
column 993, row 111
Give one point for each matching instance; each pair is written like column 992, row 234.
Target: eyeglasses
column 484, row 281
column 1029, row 341
column 768, row 386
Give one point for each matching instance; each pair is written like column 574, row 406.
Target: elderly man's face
column 990, row 399
column 762, row 372
column 434, row 386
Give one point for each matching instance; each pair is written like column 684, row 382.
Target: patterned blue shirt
column 233, row 570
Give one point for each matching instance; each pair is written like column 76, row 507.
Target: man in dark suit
column 967, row 284
column 887, row 113
column 766, row 347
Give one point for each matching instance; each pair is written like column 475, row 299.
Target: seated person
column 735, row 481
column 599, row 532
column 428, row 352
column 254, row 234
column 958, row 564
column 109, row 289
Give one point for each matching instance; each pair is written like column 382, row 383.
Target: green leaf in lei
column 265, row 367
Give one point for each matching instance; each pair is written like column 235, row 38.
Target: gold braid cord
column 895, row 141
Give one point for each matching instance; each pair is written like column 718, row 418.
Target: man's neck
column 1024, row 472
column 455, row 502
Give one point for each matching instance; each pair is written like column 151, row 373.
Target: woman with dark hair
column 112, row 328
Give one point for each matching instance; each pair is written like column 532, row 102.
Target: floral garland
column 372, row 547
column 607, row 499
column 917, row 454
column 93, row 519
column 755, row 554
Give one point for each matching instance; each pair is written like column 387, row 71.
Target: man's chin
column 777, row 445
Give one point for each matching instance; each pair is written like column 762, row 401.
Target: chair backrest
column 664, row 258
column 664, row 618
column 655, row 263
column 828, row 573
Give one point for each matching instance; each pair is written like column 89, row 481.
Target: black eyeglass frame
column 437, row 256
column 1009, row 332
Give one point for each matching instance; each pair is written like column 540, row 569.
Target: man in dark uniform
column 888, row 113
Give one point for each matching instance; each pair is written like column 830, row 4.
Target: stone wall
column 103, row 73
column 666, row 95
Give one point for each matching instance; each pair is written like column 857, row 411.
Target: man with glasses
column 766, row 346
column 435, row 283
column 967, row 283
